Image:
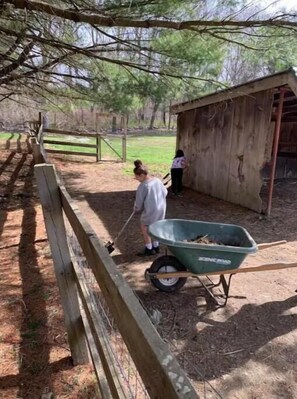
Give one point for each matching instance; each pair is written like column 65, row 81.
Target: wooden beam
column 274, row 151
column 70, row 133
column 240, row 270
column 55, row 228
column 247, row 89
column 69, row 143
column 293, row 83
column 290, row 108
column 288, row 119
column 87, row 154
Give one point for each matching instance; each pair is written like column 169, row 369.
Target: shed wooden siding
column 227, row 144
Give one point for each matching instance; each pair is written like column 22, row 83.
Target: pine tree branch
column 282, row 20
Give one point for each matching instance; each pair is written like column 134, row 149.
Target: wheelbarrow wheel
column 166, row 264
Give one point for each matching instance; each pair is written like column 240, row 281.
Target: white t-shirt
column 179, row 163
column 151, row 201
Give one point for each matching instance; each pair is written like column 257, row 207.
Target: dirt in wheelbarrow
column 213, row 241
column 248, row 349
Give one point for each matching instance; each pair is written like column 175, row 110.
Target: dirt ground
column 246, row 350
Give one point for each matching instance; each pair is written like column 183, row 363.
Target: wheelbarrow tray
column 199, row 257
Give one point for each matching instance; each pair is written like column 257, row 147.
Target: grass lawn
column 155, row 149
column 9, row 136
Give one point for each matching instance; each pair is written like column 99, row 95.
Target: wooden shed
column 237, row 138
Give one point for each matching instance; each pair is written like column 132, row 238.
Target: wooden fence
column 151, row 364
column 95, row 150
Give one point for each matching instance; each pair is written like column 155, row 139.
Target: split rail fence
column 93, row 150
column 104, row 319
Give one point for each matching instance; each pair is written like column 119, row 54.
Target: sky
column 288, row 4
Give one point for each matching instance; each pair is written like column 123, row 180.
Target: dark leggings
column 176, row 180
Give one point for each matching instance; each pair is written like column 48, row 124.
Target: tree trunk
column 114, row 124
column 155, row 109
column 127, row 120
column 164, row 117
column 169, row 116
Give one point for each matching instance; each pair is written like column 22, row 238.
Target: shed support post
column 275, row 148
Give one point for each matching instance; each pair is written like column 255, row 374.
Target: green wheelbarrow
column 226, row 247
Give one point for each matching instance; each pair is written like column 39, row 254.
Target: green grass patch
column 9, row 136
column 155, row 150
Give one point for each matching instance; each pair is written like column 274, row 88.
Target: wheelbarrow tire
column 168, row 263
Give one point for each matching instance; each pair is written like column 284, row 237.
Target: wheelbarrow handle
column 265, row 245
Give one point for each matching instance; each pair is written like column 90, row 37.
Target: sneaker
column 146, row 252
column 156, row 249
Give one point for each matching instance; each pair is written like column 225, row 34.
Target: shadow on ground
column 222, row 346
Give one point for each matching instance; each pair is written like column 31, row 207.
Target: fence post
column 98, row 147
column 124, row 146
column 124, row 139
column 52, row 212
column 98, row 139
column 36, row 150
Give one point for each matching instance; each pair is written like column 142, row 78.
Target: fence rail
column 92, row 289
column 98, row 146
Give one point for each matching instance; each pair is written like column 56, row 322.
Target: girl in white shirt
column 177, row 168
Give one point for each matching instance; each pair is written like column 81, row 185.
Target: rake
column 110, row 245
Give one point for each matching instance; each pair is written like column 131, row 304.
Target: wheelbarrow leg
column 226, row 288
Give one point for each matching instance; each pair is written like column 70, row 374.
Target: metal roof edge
column 278, row 79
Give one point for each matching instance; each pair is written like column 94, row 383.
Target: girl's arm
column 184, row 163
column 140, row 197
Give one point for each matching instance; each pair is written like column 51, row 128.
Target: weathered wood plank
column 159, row 370
column 70, row 133
column 54, row 223
column 205, row 135
column 69, row 143
column 228, row 144
column 250, row 137
column 87, row 154
column 222, row 149
column 249, row 269
column 265, row 83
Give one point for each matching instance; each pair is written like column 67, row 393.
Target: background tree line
column 121, row 55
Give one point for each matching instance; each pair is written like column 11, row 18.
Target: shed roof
column 285, row 78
